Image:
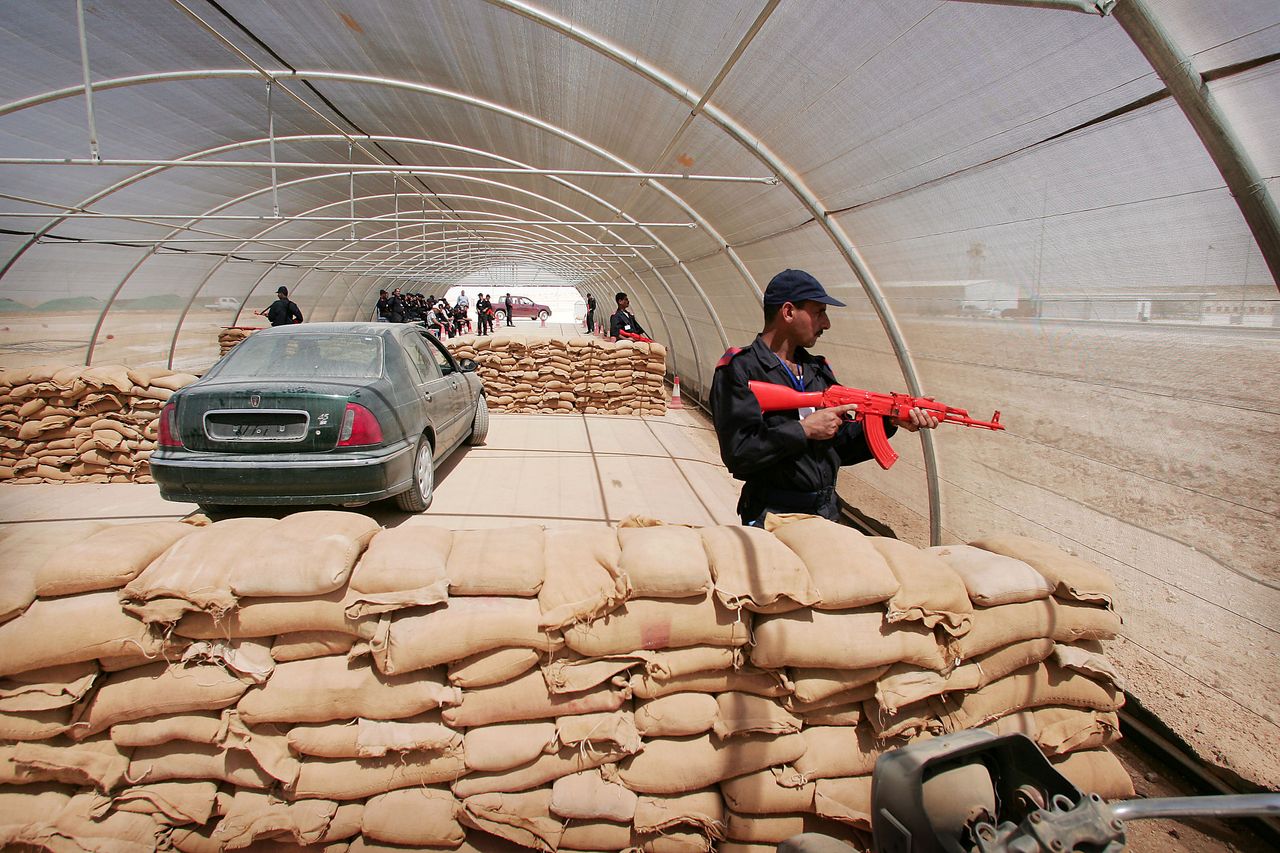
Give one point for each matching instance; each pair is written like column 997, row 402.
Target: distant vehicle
column 224, row 303
column 521, row 306
column 322, row 413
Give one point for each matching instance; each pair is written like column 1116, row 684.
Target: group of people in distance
column 439, row 316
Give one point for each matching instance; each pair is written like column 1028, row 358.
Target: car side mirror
column 467, row 365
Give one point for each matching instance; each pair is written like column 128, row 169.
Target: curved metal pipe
column 808, row 199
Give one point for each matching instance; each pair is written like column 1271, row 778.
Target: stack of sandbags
column 548, row 375
column 318, row 681
column 81, row 424
column 231, row 336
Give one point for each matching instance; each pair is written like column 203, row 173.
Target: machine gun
column 973, row 792
column 773, row 398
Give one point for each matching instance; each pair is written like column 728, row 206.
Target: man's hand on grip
column 823, row 424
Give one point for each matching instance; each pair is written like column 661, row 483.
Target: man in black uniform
column 507, row 301
column 591, row 314
column 284, row 311
column 384, row 306
column 623, row 320
column 788, row 460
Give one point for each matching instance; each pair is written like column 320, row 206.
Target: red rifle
column 774, row 398
column 633, row 336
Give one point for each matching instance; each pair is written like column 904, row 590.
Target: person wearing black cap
column 788, row 460
column 284, row 311
column 623, row 320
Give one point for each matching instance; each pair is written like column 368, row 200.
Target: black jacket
column 768, row 450
column 625, row 321
column 282, row 312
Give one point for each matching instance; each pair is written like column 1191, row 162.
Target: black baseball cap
column 796, row 286
column 282, row 289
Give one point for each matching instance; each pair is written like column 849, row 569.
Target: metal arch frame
column 843, row 243
column 204, row 74
column 240, row 73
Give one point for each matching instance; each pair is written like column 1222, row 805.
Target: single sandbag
column 402, row 567
column 754, row 570
column 583, row 580
column 702, row 810
column 832, row 752
column 108, row 559
column 588, row 796
column 24, row 808
column 26, row 548
column 157, row 690
column 931, row 591
column 17, row 726
column 746, row 680
column 503, row 746
column 528, row 698
column 1058, row 731
column 422, row 817
column 304, row 554
column 812, row 684
column 1071, row 576
column 852, row 639
column 1086, row 657
column 357, row 779
column 186, row 760
column 542, row 770
column 847, row 800
column 1096, row 771
column 494, row 667
column 761, row 792
column 846, row 568
column 746, row 713
column 49, row 688
column 98, row 763
column 1055, row 618
column 663, row 560
column 271, row 617
column 302, row 645
column 457, row 629
column 523, row 818
column 677, row 715
column 503, row 561
column 71, row 630
column 1030, row 687
column 677, row 765
column 171, row 803
column 574, row 674
column 196, row 728
column 643, row 624
column 992, row 578
column 322, row 689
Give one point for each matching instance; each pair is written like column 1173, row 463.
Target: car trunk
column 284, row 416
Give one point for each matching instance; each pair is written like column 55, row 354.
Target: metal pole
column 1210, row 123
column 88, row 84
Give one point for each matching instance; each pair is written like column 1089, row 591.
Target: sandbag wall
column 587, row 375
column 319, row 681
column 81, row 424
column 231, row 336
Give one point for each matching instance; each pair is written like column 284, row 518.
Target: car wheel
column 543, row 315
column 418, row 496
column 480, row 425
column 500, row 316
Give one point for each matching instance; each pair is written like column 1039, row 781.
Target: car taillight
column 359, row 426
column 169, row 426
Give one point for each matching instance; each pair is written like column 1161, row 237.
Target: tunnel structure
column 1060, row 209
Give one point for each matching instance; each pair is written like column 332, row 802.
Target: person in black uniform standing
column 623, row 320
column 788, row 460
column 506, row 299
column 284, row 311
column 591, row 313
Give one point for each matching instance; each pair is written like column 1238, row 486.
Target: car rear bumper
column 303, row 478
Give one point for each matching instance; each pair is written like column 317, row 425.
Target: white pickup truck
column 224, row 303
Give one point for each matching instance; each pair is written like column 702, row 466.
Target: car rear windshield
column 305, row 356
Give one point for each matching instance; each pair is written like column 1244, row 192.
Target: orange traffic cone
column 676, row 402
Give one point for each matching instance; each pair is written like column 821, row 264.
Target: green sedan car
column 322, row 413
